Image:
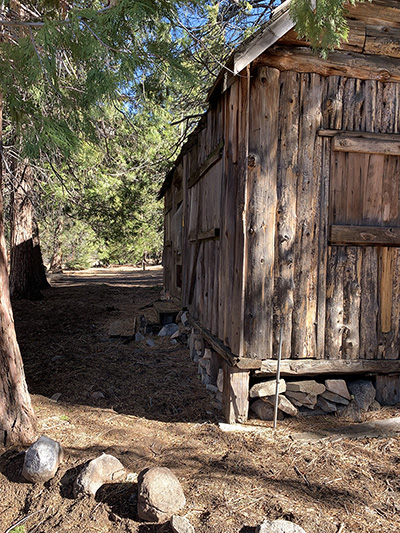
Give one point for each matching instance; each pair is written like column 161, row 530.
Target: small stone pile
column 309, row 397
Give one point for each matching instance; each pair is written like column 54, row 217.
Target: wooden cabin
column 282, row 212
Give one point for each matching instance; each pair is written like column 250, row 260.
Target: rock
column 174, row 341
column 375, row 406
column 160, row 494
column 284, row 404
column 176, row 334
column 139, row 337
column 207, row 353
column 184, row 319
column 326, row 405
column 206, row 364
column 220, row 380
column 309, row 387
column 150, row 342
column 42, row 460
column 264, row 410
column 308, row 400
column 103, row 469
column 267, row 388
column 97, row 395
column 332, row 397
column 55, row 397
column 363, row 392
column 168, row 330
column 352, row 411
column 311, row 411
column 338, row 386
column 279, row 526
column 212, row 388
column 180, row 524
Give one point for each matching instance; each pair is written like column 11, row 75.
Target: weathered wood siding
column 332, row 302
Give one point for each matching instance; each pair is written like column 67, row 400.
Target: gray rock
column 139, row 337
column 55, row 397
column 338, row 386
column 279, row 526
column 308, row 400
column 220, row 380
column 363, row 392
column 207, row 353
column 264, row 410
column 103, row 469
column 332, row 397
column 176, row 334
column 267, row 388
column 174, row 341
column 180, row 524
column 168, row 330
column 307, row 386
column 160, row 494
column 352, row 411
column 97, row 395
column 284, row 404
column 42, row 460
column 311, row 411
column 150, row 342
column 375, row 406
column 326, row 405
column 184, row 319
column 212, row 388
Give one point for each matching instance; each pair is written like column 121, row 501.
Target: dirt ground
column 156, row 412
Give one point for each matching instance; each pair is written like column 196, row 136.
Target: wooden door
column 364, row 216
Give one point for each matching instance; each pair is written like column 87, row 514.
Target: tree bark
column 25, row 281
column 17, row 419
column 38, row 266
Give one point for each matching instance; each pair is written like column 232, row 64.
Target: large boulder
column 339, row 387
column 264, row 410
column 103, row 469
column 307, row 386
column 279, row 526
column 284, row 404
column 42, row 460
column 160, row 494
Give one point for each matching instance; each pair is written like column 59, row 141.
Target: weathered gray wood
column 352, row 65
column 364, row 235
column 235, row 395
column 261, row 214
column 388, row 389
column 286, row 211
column 307, row 212
column 369, row 304
column 334, row 304
column 351, row 302
column 367, row 144
column 314, row 367
column 210, row 161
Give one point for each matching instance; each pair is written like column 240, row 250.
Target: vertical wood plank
column 286, row 211
column 261, row 214
column 334, row 303
column 308, row 202
column 369, row 304
column 235, row 395
column 351, row 302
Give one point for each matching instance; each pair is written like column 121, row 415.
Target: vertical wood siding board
column 241, row 202
column 369, row 110
column 332, row 109
column 369, row 304
column 334, row 303
column 222, row 298
column 304, row 313
column 286, row 211
column 351, row 303
column 230, row 215
column 393, row 347
column 386, row 258
column 323, row 249
column 353, row 181
column 388, row 110
column 372, row 192
column 349, row 104
column 390, row 191
column 261, row 212
column 185, row 235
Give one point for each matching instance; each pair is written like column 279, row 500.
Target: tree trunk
column 38, row 266
column 24, row 283
column 17, row 419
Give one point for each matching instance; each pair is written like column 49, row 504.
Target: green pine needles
column 321, row 22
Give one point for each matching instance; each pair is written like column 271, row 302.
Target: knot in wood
column 252, row 160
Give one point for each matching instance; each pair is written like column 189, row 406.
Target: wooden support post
column 235, row 396
column 388, row 389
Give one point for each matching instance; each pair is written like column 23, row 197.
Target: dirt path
column 152, row 410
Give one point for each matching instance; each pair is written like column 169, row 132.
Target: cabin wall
column 331, row 301
column 213, row 177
